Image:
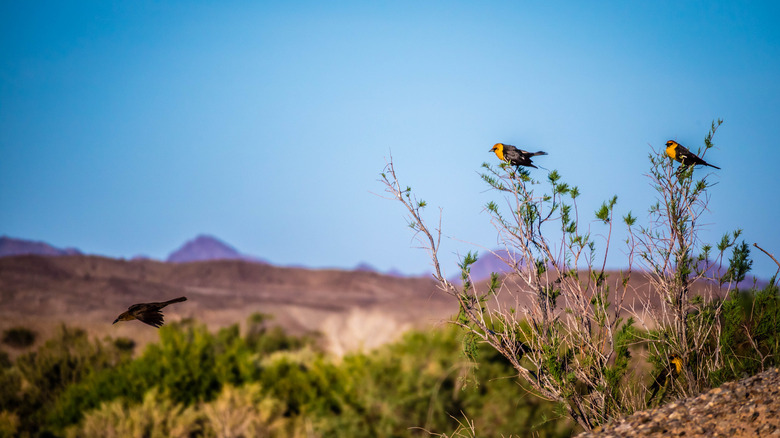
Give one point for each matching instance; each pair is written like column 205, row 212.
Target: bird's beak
column 115, row 321
column 492, row 149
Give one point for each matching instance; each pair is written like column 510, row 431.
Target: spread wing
column 153, row 317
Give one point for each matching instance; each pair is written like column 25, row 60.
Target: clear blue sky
column 128, row 128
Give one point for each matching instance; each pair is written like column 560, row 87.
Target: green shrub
column 19, row 337
column 155, row 417
column 9, row 424
column 750, row 338
column 197, row 383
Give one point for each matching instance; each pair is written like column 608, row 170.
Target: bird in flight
column 678, row 152
column 514, row 156
column 148, row 313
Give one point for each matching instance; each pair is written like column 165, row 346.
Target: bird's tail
column 175, row 300
column 711, row 165
column 539, row 153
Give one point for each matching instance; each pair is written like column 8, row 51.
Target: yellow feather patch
column 671, row 151
column 498, row 148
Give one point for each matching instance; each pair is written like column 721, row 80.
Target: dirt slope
column 350, row 308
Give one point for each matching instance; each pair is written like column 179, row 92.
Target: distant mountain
column 366, row 267
column 11, row 247
column 487, row 263
column 206, row 247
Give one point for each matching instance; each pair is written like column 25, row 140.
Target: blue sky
column 128, row 128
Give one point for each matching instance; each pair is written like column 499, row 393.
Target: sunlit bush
column 156, row 417
column 244, row 412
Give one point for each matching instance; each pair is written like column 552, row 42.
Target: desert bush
column 5, row 360
column 559, row 318
column 9, row 424
column 19, row 337
column 262, row 339
column 189, row 363
column 244, row 411
column 61, row 361
column 683, row 324
column 750, row 339
column 155, row 417
column 283, row 393
column 124, row 344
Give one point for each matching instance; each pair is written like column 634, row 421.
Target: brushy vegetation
column 193, row 382
column 570, row 329
column 19, row 337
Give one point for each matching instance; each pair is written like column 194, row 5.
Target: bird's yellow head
column 498, row 148
column 671, row 149
column 124, row 317
column 677, row 363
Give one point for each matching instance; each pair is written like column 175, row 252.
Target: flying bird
column 514, row 156
column 678, row 152
column 148, row 313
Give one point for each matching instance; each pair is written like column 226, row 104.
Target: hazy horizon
column 129, row 128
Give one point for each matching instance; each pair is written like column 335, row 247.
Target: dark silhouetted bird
column 514, row 156
column 148, row 313
column 678, row 152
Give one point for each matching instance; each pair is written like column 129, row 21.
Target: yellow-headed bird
column 515, row 156
column 678, row 152
column 666, row 375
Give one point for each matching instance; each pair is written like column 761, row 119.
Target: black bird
column 678, row 152
column 514, row 156
column 148, row 313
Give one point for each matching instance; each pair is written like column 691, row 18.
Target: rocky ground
column 746, row 408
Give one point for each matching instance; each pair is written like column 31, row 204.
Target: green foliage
column 739, row 264
column 604, row 213
column 5, row 360
column 19, row 337
column 155, row 417
column 750, row 338
column 189, row 363
column 39, row 377
column 195, row 383
column 9, row 424
column 126, row 345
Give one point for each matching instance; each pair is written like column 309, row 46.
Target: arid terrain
column 349, row 309
column 743, row 409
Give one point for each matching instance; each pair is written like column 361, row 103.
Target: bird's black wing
column 515, row 156
column 136, row 308
column 687, row 157
column 153, row 317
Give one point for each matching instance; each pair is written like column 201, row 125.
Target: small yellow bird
column 678, row 152
column 514, row 156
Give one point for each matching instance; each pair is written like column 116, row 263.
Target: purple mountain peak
column 205, row 247
column 11, row 247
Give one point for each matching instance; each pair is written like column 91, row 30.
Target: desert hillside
column 351, row 309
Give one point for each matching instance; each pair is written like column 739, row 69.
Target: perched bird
column 678, row 152
column 666, row 375
column 514, row 156
column 148, row 313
